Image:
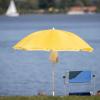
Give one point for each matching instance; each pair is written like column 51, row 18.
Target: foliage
column 4, row 3
column 46, row 3
column 30, row 5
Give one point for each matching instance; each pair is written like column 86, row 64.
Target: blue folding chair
column 79, row 77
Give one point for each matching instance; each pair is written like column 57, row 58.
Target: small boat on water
column 12, row 11
column 76, row 10
column 76, row 13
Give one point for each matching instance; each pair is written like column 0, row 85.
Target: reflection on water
column 26, row 73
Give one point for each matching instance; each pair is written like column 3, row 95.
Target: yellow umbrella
column 53, row 40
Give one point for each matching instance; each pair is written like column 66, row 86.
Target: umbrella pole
column 53, row 79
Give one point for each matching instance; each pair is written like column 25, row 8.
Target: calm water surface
column 27, row 73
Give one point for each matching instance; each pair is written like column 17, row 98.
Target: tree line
column 31, row 5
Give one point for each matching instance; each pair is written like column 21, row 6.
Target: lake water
column 27, row 73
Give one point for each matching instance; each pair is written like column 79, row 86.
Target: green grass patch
column 49, row 98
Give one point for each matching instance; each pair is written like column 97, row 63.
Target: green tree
column 70, row 3
column 33, row 4
column 46, row 3
column 86, row 2
column 4, row 4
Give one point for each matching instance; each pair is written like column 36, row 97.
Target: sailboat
column 12, row 11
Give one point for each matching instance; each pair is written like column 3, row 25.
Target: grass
column 49, row 98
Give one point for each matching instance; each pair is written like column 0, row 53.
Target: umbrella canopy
column 55, row 40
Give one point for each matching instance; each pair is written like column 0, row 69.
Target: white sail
column 12, row 11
